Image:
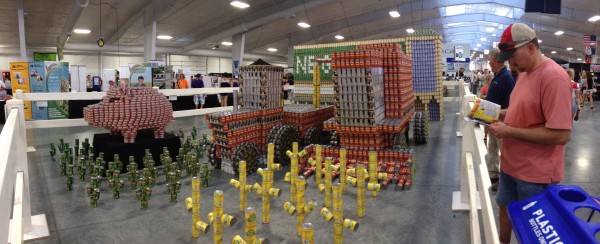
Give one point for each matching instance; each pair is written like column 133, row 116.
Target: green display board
column 304, row 59
column 44, row 56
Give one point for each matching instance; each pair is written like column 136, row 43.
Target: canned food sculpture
column 266, row 191
column 128, row 110
column 218, row 218
column 338, row 216
column 241, row 184
column 197, row 224
column 301, row 208
column 250, row 230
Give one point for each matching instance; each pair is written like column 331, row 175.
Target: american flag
column 589, row 40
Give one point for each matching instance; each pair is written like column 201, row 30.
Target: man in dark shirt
column 499, row 93
column 197, row 82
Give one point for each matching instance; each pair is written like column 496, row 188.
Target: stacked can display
column 425, row 48
column 261, row 87
column 397, row 79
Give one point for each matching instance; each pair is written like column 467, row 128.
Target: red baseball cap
column 515, row 35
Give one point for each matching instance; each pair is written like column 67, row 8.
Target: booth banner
column 19, row 77
column 57, row 76
column 44, row 56
column 595, row 67
column 37, row 78
column 137, row 70
column 589, row 43
column 459, row 53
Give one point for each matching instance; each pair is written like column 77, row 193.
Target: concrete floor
column 421, row 215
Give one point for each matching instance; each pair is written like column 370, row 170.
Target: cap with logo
column 515, row 35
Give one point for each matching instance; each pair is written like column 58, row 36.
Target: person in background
column 536, row 126
column 475, row 81
column 224, row 83
column 486, row 87
column 140, row 82
column 88, row 81
column 235, row 83
column 111, row 84
column 590, row 88
column 461, row 73
column 574, row 88
column 499, row 92
column 181, row 82
column 197, row 82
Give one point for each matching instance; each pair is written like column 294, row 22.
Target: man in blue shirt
column 499, row 93
column 197, row 82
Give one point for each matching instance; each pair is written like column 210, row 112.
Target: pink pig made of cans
column 128, row 110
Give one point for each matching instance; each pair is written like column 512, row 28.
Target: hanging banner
column 459, row 53
column 589, row 44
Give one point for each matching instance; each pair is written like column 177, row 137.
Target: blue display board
column 561, row 214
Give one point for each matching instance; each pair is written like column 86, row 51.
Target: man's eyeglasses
column 510, row 45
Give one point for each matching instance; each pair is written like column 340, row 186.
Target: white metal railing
column 99, row 95
column 14, row 179
column 474, row 191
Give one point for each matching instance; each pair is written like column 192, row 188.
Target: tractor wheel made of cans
column 316, row 135
column 420, row 128
column 283, row 136
column 250, row 153
column 400, row 141
column 212, row 156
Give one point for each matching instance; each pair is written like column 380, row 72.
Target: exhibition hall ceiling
column 198, row 24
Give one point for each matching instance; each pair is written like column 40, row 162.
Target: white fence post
column 34, row 227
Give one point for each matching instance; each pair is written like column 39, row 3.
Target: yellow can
column 238, row 240
column 326, row 214
column 257, row 188
column 276, row 167
column 351, row 180
column 289, row 208
column 350, row 224
column 382, row 176
column 274, row 192
column 308, row 233
column 203, row 227
column 234, row 183
column 310, row 206
column 288, row 177
column 250, row 221
column 228, row 220
column 373, row 186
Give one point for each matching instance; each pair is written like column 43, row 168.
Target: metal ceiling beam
column 159, row 8
column 72, row 18
column 263, row 17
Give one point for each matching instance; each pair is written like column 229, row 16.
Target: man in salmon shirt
column 536, row 126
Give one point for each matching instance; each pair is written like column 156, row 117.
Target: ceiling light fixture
column 539, row 40
column 490, row 29
column 227, row 43
column 394, row 14
column 164, row 37
column 303, row 25
column 272, row 49
column 553, row 52
column 82, row 31
column 339, row 37
column 569, row 48
column 558, row 33
column 239, row 4
column 483, row 39
column 410, row 30
column 594, row 18
column 479, row 44
column 494, row 35
column 578, row 59
column 476, row 49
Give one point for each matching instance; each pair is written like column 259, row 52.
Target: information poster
column 459, row 53
column 19, row 76
column 57, row 75
column 44, row 56
column 37, row 78
column 137, row 70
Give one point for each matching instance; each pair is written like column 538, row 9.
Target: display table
column 112, row 145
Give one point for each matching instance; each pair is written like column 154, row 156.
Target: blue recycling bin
column 561, row 214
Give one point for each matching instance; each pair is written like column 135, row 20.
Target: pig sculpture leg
column 159, row 133
column 129, row 136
